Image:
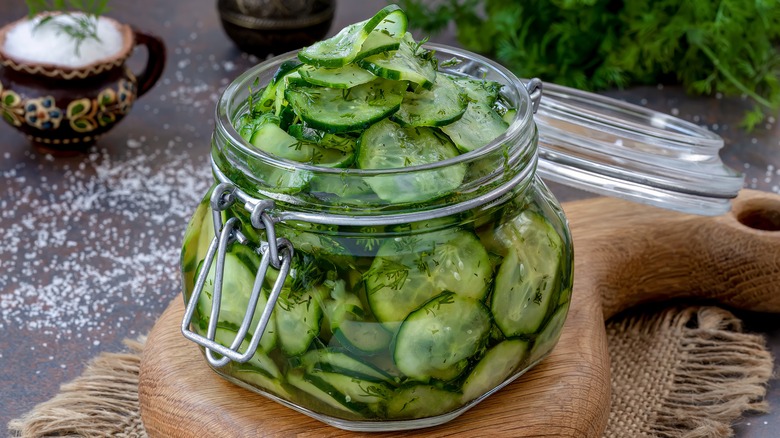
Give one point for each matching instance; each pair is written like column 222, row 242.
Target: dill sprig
column 83, row 17
column 730, row 47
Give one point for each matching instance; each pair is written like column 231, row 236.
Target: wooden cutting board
column 625, row 255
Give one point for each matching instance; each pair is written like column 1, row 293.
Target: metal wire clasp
column 275, row 252
column 534, row 88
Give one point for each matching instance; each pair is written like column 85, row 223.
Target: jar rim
column 226, row 110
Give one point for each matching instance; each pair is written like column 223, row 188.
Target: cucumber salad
column 395, row 322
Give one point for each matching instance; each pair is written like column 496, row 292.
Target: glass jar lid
column 614, row 148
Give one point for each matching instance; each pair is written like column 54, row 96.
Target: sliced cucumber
column 509, row 116
column 262, row 381
column 378, row 42
column 363, row 337
column 482, row 91
column 333, row 110
column 343, row 77
column 408, row 271
column 338, row 362
column 393, row 24
column 386, row 145
column 341, row 305
column 259, row 361
column 297, row 320
column 443, row 104
column 237, row 283
column 267, row 98
column 402, row 65
column 478, row 126
column 352, row 389
column 326, row 394
column 419, row 401
column 497, row 365
column 348, row 191
column 342, row 142
column 325, row 157
column 528, row 281
column 197, row 238
column 342, row 48
column 437, row 340
column 546, row 339
column 346, row 320
column 274, row 140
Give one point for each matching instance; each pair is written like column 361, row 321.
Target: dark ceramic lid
column 618, row 149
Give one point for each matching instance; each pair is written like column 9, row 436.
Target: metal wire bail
column 275, row 252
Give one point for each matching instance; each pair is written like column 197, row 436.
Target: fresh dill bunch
column 83, row 15
column 730, row 47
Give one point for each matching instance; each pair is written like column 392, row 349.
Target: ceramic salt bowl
column 262, row 27
column 62, row 109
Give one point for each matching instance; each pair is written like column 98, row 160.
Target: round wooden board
column 625, row 254
column 182, row 397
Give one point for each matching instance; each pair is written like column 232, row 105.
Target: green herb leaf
column 730, row 47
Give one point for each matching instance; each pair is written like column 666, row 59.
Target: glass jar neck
column 333, row 195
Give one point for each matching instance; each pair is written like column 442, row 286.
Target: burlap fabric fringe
column 680, row 372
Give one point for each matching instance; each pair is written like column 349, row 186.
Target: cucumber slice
column 274, row 140
column 333, row 110
column 548, row 337
column 394, row 24
column 363, row 337
column 386, row 145
column 298, row 318
column 378, row 42
column 260, row 362
column 354, row 390
column 437, row 340
column 342, row 48
column 443, row 104
column 509, row 116
column 498, row 364
column 326, row 394
column 483, row 91
column 402, row 64
column 408, row 271
column 262, row 381
column 337, row 362
column 197, row 238
column 346, row 321
column 350, row 192
column 332, row 157
column 268, row 97
column 527, row 282
column 478, row 126
column 237, row 283
column 347, row 76
column 342, row 142
column 420, row 401
column 341, row 305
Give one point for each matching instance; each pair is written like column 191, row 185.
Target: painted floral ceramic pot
column 64, row 110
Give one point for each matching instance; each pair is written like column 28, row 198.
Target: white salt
column 49, row 44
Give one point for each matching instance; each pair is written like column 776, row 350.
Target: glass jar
column 379, row 299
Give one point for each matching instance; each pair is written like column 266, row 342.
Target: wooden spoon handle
column 633, row 254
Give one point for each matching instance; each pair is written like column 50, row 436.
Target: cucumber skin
column 324, row 53
column 424, row 343
column 333, row 113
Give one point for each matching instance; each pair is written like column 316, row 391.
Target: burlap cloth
column 677, row 372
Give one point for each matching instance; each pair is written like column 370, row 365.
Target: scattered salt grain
column 114, row 260
column 46, row 44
